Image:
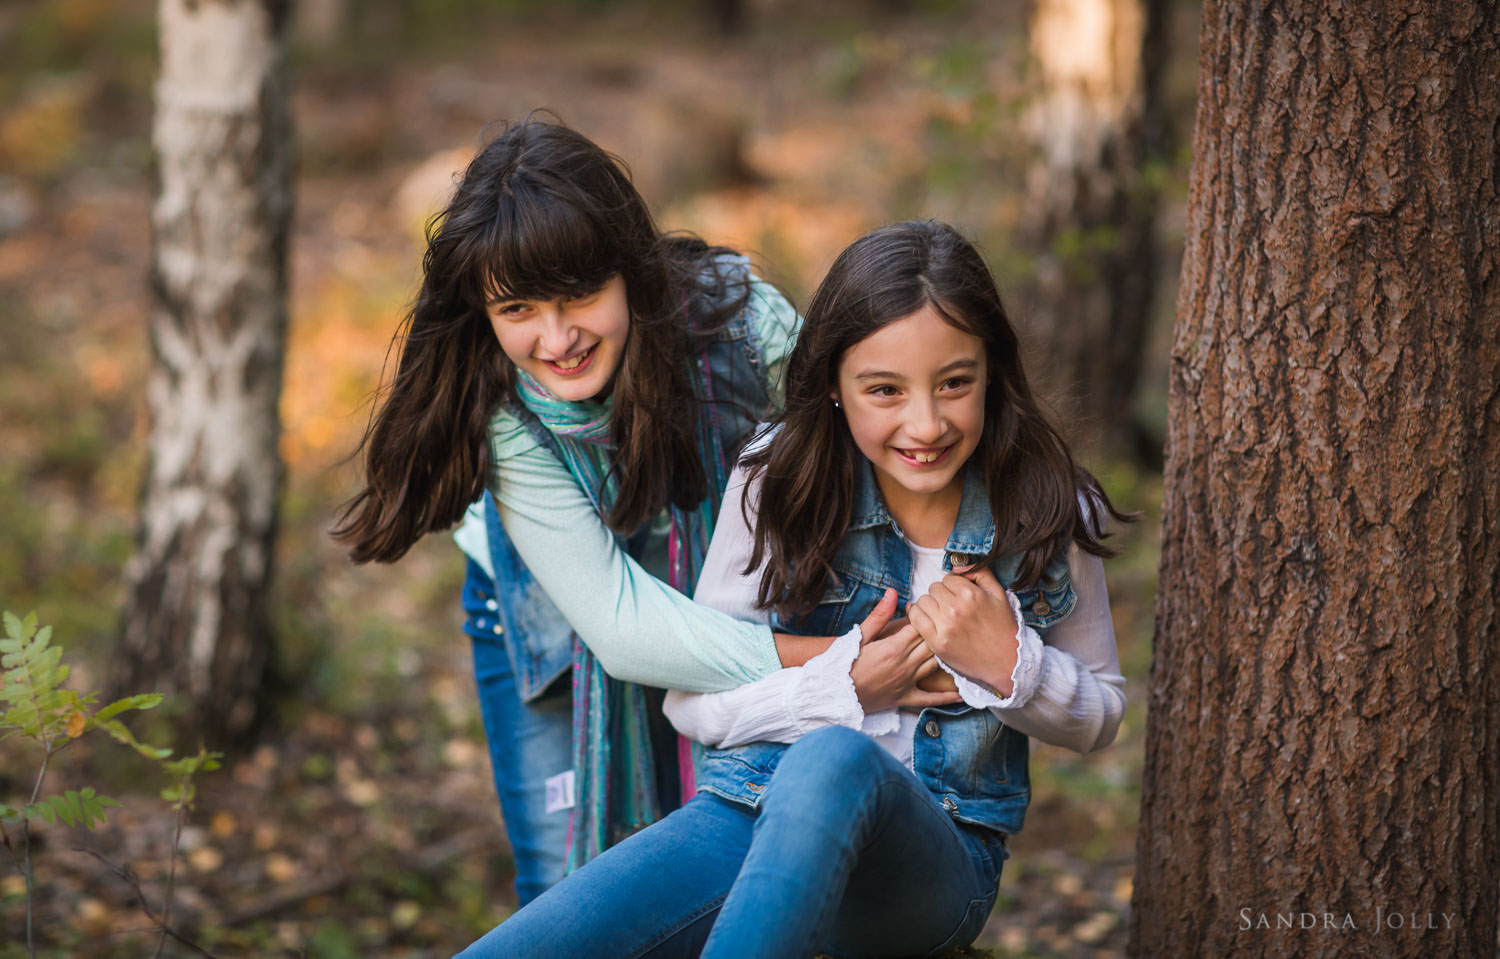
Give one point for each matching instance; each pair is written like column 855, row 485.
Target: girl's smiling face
column 572, row 346
column 913, row 395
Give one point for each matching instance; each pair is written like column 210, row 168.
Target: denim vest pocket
column 1051, row 598
column 833, row 616
column 740, row 774
column 975, row 764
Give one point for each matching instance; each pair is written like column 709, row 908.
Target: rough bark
column 1323, row 734
column 1091, row 204
column 196, row 622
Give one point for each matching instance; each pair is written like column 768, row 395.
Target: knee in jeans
column 834, row 752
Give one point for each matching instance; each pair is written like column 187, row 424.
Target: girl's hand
column 797, row 650
column 967, row 620
column 889, row 668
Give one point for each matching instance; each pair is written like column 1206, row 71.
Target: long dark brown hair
column 809, row 468
column 541, row 212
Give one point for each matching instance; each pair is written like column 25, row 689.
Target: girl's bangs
column 540, row 248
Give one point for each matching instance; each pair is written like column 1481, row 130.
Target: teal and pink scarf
column 614, row 765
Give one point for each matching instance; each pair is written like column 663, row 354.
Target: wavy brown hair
column 541, row 212
column 808, row 469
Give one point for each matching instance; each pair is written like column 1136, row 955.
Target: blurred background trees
column 362, row 822
column 1096, row 120
column 197, row 621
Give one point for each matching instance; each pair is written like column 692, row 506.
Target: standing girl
column 910, row 449
column 589, row 381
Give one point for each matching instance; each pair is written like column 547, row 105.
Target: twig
column 36, row 790
column 273, row 904
column 128, row 875
column 430, row 860
column 166, row 903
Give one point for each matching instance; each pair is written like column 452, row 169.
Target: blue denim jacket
column 966, row 756
column 739, row 397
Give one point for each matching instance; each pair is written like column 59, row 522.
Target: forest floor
column 364, row 823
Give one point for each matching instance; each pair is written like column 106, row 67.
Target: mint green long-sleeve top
column 640, row 629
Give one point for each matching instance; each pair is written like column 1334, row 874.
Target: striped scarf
column 614, row 765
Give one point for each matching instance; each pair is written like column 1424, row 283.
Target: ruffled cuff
column 826, row 696
column 1024, row 678
column 883, row 723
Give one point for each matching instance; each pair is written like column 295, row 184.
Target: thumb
column 879, row 616
column 985, row 580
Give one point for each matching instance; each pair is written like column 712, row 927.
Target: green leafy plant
column 38, row 708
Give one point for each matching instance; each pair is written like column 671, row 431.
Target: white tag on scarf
column 560, row 791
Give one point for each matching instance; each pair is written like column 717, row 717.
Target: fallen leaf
column 206, row 858
column 459, row 753
column 280, row 868
column 1093, row 929
column 405, row 914
column 362, row 792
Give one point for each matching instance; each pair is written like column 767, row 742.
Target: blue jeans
column 849, row 855
column 529, row 742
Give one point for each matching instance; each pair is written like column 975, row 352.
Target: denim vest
column 971, row 760
column 538, row 639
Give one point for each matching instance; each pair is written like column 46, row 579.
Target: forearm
column 797, row 650
column 1070, row 706
column 781, row 708
column 640, row 629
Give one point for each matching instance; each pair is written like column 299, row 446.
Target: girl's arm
column 641, row 629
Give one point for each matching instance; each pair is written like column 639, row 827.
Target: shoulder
column 765, row 316
column 760, row 439
column 509, row 436
column 772, row 319
column 1092, row 511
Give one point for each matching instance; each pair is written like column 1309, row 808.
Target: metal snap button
column 1041, row 607
column 931, row 728
column 491, row 604
column 499, row 630
column 949, row 804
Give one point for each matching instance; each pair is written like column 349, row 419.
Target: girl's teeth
column 570, row 364
column 925, row 456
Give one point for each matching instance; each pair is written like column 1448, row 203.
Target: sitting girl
column 833, row 814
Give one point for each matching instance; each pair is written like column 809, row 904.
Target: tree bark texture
column 197, row 622
column 1090, row 211
column 1323, row 732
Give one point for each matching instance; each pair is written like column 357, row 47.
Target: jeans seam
column 680, row 924
column 987, row 904
column 915, row 787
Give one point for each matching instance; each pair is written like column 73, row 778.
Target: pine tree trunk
column 1090, row 211
column 197, row 622
column 1323, row 733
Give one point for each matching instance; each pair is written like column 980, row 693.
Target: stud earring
column 836, row 405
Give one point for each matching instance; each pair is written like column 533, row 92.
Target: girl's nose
column 558, row 335
column 925, row 424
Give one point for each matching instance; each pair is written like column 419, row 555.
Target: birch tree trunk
column 1323, row 732
column 1090, row 211
column 197, row 622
